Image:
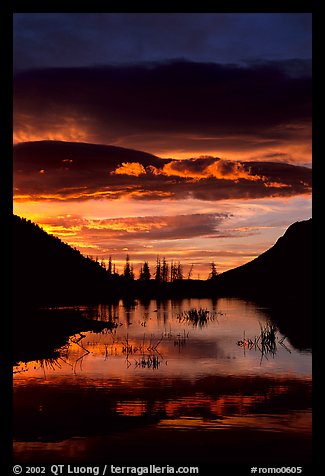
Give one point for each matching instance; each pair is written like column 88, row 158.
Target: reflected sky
column 153, row 341
column 157, row 372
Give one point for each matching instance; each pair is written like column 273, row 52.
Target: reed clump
column 198, row 317
column 265, row 342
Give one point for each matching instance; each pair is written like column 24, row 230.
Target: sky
column 178, row 135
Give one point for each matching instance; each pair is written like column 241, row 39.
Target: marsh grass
column 266, row 342
column 268, row 338
column 198, row 317
column 181, row 339
column 143, row 360
column 148, row 361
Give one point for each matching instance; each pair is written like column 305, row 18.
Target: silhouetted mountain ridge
column 47, row 271
column 284, row 269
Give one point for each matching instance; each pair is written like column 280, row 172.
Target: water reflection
column 158, row 371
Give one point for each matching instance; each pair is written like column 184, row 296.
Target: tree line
column 164, row 272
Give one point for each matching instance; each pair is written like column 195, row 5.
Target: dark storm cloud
column 170, row 99
column 67, row 171
column 83, row 39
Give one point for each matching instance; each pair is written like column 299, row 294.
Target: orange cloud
column 192, row 169
column 278, row 184
column 128, row 225
column 67, row 195
column 130, row 168
column 151, row 195
column 224, row 169
column 219, row 168
column 61, row 231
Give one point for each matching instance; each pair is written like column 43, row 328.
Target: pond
column 190, row 381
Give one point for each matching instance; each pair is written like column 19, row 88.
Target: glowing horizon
column 239, row 239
